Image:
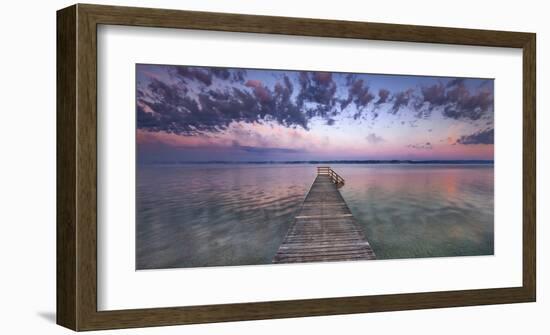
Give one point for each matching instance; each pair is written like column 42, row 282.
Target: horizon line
column 354, row 161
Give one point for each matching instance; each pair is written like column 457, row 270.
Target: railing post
column 328, row 171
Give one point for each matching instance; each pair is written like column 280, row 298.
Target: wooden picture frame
column 77, row 167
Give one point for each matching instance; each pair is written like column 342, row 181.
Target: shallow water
column 212, row 215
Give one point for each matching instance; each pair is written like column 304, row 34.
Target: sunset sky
column 192, row 114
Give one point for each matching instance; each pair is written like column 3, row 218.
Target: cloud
column 484, row 83
column 455, row 82
column 359, row 93
column 374, row 139
column 266, row 150
column 317, row 93
column 206, row 75
column 401, row 99
column 221, row 73
column 485, row 136
column 434, row 95
column 189, row 100
column 201, row 74
column 213, row 109
column 421, row 146
column 383, row 95
column 261, row 92
column 240, row 134
column 208, row 99
column 455, row 101
column 238, row 75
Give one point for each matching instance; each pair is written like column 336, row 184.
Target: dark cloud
column 169, row 108
column 485, row 136
column 401, row 99
column 260, row 91
column 268, row 150
column 374, row 139
column 484, row 83
column 238, row 75
column 358, row 93
column 207, row 99
column 455, row 82
column 204, row 75
column 455, row 101
column 221, row 73
column 421, row 146
column 383, row 95
column 317, row 93
column 464, row 105
column 434, row 95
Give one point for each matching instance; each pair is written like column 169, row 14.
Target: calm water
column 212, row 215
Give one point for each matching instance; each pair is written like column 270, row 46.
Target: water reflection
column 423, row 211
column 208, row 215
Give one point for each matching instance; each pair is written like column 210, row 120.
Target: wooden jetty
column 324, row 229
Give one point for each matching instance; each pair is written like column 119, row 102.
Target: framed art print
column 216, row 167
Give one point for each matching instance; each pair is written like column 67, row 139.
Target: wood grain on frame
column 77, row 166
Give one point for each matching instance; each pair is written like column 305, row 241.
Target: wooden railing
column 327, row 171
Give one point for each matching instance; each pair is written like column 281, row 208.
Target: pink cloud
column 322, row 77
column 261, row 92
column 267, row 135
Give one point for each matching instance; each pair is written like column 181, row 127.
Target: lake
column 194, row 215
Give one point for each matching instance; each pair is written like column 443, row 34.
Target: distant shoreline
column 465, row 162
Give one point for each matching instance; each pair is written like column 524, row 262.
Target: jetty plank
column 324, row 229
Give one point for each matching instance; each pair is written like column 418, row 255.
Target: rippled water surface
column 212, row 215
